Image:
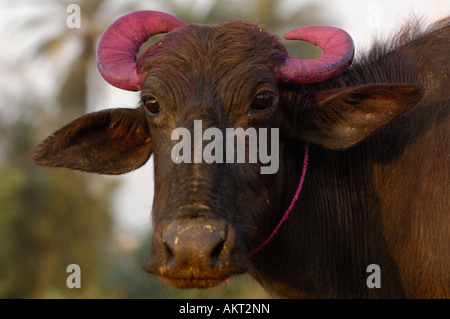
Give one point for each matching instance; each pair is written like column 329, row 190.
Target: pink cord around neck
column 286, row 214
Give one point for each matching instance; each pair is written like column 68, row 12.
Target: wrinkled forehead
column 196, row 51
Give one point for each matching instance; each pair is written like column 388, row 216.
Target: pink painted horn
column 116, row 53
column 338, row 51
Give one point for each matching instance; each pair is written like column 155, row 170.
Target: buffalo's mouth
column 199, row 283
column 195, row 278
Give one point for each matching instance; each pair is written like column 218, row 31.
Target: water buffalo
column 359, row 205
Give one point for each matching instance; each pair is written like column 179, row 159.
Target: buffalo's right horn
column 338, row 51
column 119, row 44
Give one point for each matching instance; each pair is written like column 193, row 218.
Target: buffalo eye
column 152, row 106
column 263, row 101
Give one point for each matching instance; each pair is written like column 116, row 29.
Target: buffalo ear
column 341, row 118
column 112, row 141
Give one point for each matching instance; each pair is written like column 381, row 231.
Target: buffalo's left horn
column 338, row 51
column 116, row 53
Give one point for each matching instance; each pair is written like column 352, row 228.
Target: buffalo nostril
column 217, row 251
column 169, row 252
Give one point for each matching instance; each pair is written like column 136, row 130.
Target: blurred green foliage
column 50, row 218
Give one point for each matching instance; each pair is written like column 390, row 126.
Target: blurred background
column 50, row 218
